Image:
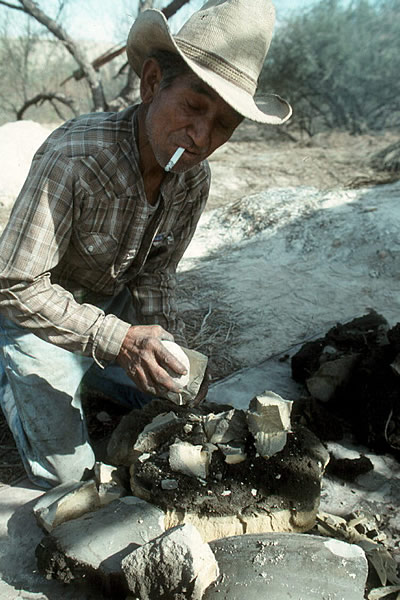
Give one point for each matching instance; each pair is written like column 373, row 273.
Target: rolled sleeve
column 108, row 339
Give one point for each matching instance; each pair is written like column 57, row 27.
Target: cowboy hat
column 225, row 44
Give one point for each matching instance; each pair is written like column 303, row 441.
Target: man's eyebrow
column 200, row 88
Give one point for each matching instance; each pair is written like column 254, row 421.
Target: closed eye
column 192, row 106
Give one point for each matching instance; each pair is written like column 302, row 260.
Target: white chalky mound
column 19, row 141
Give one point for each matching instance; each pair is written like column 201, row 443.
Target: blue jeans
column 41, row 400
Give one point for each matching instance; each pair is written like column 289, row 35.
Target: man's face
column 190, row 114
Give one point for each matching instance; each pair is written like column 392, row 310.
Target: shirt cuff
column 108, row 340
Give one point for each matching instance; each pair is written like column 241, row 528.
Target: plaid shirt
column 82, row 227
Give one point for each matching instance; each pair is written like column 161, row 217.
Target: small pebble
column 169, row 484
column 103, row 417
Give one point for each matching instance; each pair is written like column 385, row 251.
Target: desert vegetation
column 337, row 62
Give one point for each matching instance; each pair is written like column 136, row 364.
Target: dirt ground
column 232, row 328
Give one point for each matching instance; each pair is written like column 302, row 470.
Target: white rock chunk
column 188, row 459
column 189, row 384
column 178, row 565
column 104, row 473
column 268, row 420
column 65, row 502
column 225, row 427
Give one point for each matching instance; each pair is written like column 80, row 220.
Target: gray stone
column 153, row 434
column 396, row 365
column 225, row 427
column 177, row 565
column 109, row 481
column 234, row 452
column 330, row 376
column 108, row 492
column 169, row 484
column 65, row 502
column 287, row 565
column 127, row 444
column 90, row 549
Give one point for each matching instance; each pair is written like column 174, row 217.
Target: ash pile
column 352, row 379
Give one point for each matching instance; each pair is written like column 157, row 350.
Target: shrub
column 339, row 65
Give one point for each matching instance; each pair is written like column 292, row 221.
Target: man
column 88, row 258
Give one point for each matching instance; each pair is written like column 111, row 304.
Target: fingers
column 148, row 362
column 169, row 361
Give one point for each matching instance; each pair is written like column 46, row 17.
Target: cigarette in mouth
column 174, row 159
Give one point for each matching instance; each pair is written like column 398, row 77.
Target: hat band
column 218, row 65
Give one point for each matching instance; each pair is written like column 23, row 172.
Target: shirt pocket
column 97, row 248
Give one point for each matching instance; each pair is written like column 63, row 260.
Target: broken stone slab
column 189, row 459
column 110, row 482
column 90, row 549
column 380, row 560
column 66, row 501
column 108, row 492
column 154, row 434
column 330, row 376
column 106, row 473
column 268, row 420
column 234, row 452
column 126, row 445
column 177, row 565
column 225, row 427
column 287, row 565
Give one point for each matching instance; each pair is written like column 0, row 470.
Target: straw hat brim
column 151, row 32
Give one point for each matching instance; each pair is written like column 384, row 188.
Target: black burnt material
column 367, row 403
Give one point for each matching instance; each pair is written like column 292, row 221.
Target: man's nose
column 200, row 132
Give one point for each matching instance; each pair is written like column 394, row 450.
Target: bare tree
column 88, row 70
column 32, row 9
column 54, row 99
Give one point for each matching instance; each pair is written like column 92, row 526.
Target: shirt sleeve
column 154, row 290
column 34, row 240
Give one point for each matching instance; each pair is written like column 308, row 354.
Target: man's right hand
column 144, row 358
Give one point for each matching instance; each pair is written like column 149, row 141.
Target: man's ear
column 149, row 80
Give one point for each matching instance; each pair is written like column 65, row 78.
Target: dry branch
column 108, row 56
column 47, row 97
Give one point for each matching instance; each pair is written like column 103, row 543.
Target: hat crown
column 224, row 44
column 236, row 32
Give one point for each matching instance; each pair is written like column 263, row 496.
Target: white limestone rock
column 189, row 460
column 268, row 419
column 178, row 565
column 65, row 502
column 189, row 384
column 91, row 547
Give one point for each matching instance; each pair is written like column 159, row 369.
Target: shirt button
column 90, row 248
